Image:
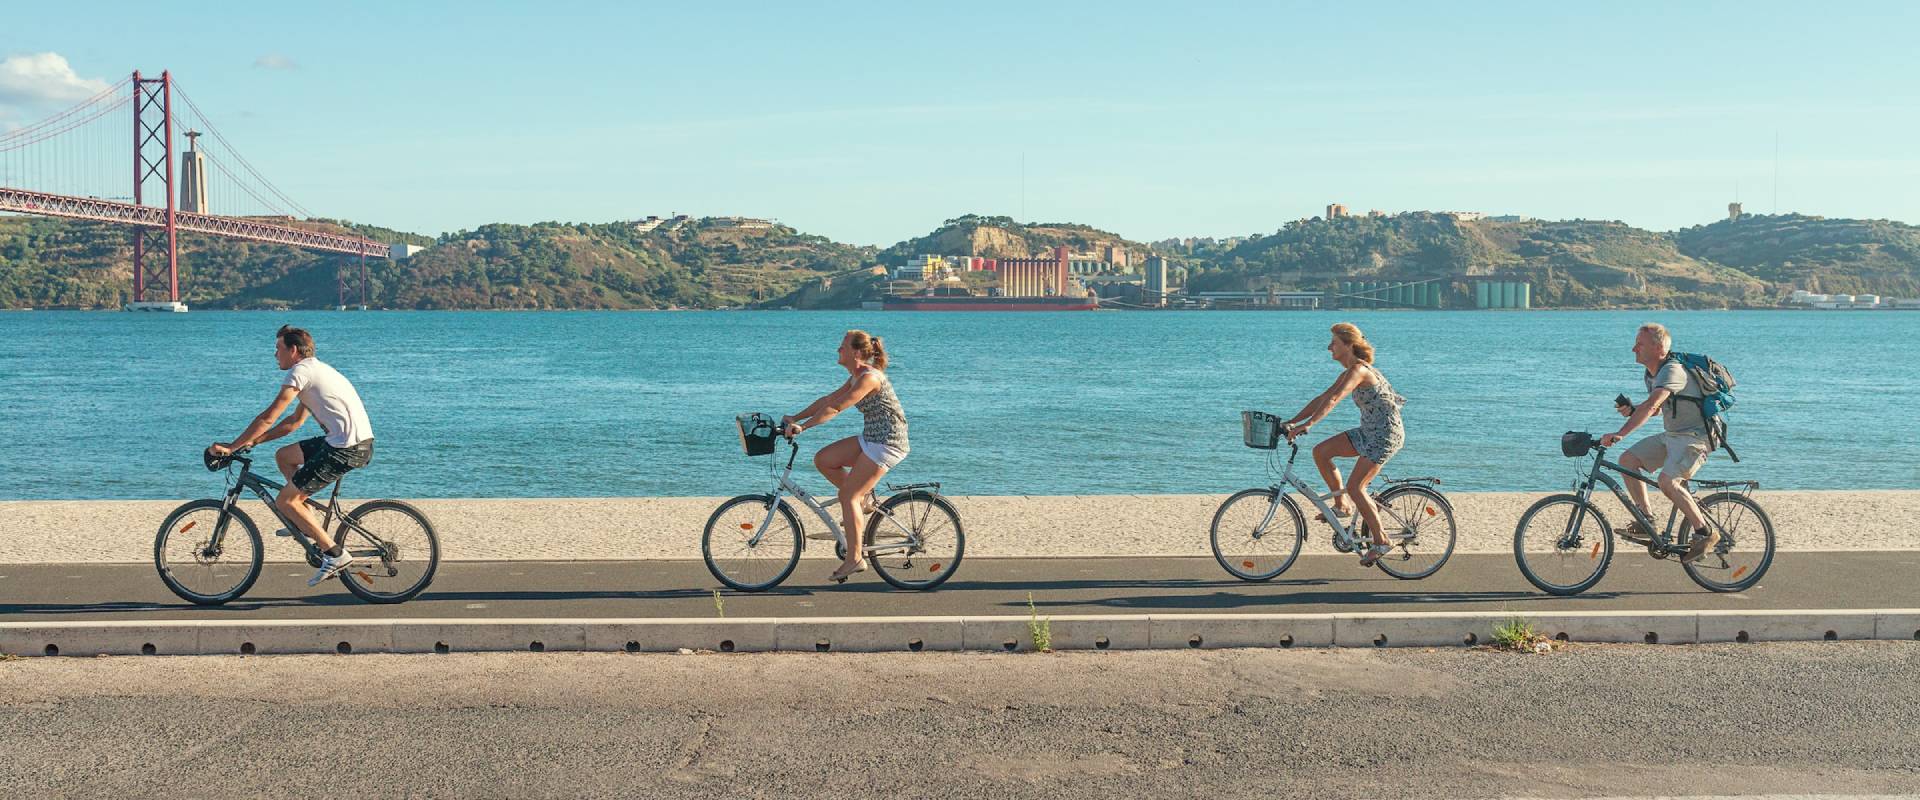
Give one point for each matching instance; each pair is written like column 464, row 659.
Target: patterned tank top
column 885, row 419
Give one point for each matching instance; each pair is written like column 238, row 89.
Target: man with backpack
column 1692, row 430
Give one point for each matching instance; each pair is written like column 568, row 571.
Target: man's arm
column 1641, row 414
column 257, row 431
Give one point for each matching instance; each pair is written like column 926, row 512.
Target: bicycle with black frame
column 1563, row 544
column 209, row 551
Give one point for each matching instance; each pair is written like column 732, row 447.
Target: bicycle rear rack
column 934, row 485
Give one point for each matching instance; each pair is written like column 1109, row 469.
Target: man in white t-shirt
column 310, row 464
column 1680, row 450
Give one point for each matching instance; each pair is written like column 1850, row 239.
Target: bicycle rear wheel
column 740, row 553
column 197, row 570
column 1419, row 524
column 1745, row 549
column 1250, row 544
column 917, row 540
column 395, row 551
column 1563, row 545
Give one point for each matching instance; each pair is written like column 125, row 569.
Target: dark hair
column 868, row 346
column 297, row 339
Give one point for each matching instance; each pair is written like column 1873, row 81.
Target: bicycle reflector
column 1574, row 444
column 756, row 433
column 1260, row 429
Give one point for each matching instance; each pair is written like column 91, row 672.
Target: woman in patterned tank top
column 854, row 464
column 1379, row 436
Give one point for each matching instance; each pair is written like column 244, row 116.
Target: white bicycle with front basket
column 1257, row 533
column 753, row 542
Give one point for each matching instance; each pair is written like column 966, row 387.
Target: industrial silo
column 1482, row 294
column 1526, row 295
column 1507, row 298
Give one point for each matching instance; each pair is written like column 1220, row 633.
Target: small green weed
column 1519, row 635
column 719, row 605
column 1040, row 629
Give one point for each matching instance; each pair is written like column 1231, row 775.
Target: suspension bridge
column 74, row 164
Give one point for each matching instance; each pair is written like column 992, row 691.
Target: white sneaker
column 330, row 566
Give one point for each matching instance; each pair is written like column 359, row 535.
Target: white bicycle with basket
column 913, row 539
column 1257, row 533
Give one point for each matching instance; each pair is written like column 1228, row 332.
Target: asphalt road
column 1813, row 718
column 622, row 589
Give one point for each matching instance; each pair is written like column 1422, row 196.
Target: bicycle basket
column 1260, row 429
column 1574, row 444
column 756, row 433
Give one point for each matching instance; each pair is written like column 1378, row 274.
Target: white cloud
column 44, row 79
column 274, row 61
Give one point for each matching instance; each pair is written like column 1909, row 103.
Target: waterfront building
column 1155, row 290
column 1035, row 277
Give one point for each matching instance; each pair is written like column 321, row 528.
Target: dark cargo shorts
column 324, row 463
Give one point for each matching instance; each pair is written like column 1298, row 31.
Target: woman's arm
column 826, row 408
column 1329, row 399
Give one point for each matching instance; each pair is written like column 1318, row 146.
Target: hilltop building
column 1335, row 211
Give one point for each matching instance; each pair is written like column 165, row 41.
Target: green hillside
column 1571, row 263
column 1846, row 256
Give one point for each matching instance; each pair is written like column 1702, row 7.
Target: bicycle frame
column 263, row 489
column 1665, row 539
column 1352, row 538
column 787, row 486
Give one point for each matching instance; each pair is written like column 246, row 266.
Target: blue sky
column 871, row 123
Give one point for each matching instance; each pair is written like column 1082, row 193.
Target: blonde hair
column 1659, row 332
column 1351, row 335
column 868, row 347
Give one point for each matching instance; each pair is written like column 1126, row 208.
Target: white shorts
column 881, row 454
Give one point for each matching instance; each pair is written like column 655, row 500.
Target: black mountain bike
column 209, row 551
column 1563, row 544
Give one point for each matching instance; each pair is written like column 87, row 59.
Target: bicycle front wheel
column 205, row 556
column 395, row 551
column 1257, row 534
column 750, row 544
column 1745, row 549
column 1563, row 545
column 916, row 540
column 1419, row 524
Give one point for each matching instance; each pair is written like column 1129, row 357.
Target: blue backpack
column 1716, row 395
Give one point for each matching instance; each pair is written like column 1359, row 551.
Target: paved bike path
column 983, row 587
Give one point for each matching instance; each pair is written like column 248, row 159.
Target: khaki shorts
column 1678, row 454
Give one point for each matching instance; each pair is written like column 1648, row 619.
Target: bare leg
column 1336, row 446
column 835, row 462
column 1675, row 488
column 292, row 501
column 1636, row 489
column 1364, row 471
column 853, row 493
column 835, row 459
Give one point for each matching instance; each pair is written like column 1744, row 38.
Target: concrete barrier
column 909, row 634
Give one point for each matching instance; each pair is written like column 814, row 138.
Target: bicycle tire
column 1741, row 576
column 251, row 565
column 1598, row 558
column 791, row 539
column 1245, row 567
column 358, row 578
column 1436, row 509
column 943, row 565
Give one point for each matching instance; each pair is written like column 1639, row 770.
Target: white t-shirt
column 327, row 395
